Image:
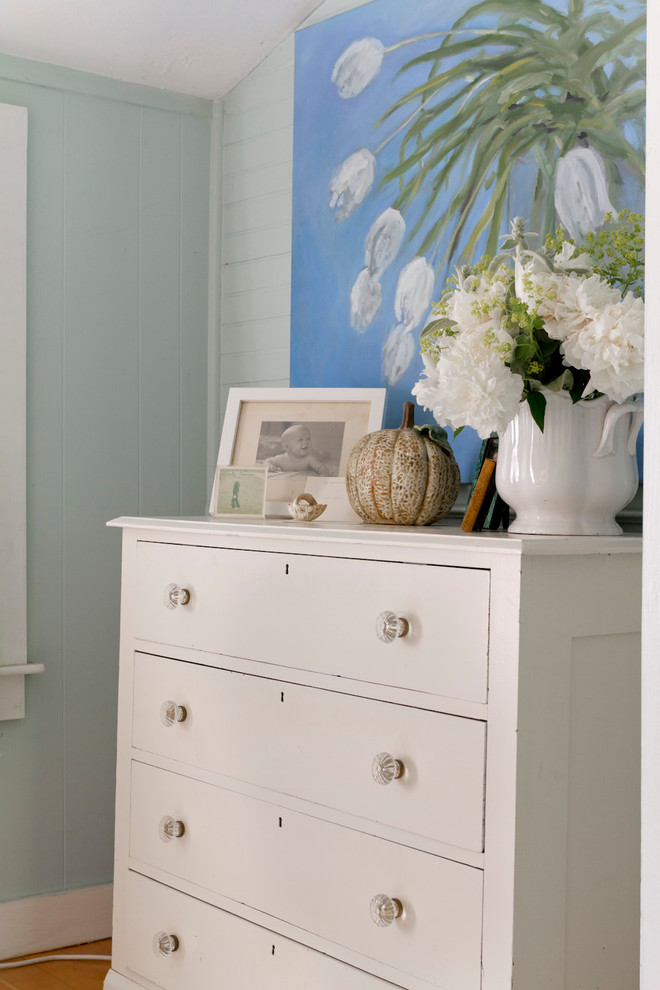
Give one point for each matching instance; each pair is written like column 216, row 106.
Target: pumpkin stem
column 408, row 416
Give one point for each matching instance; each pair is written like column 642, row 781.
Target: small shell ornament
column 305, row 508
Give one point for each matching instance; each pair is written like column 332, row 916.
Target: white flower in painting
column 383, row 241
column 351, row 181
column 471, row 385
column 366, row 297
column 413, row 292
column 357, row 66
column 610, row 346
column 397, row 354
column 581, row 196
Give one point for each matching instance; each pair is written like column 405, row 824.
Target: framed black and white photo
column 297, row 433
column 239, row 492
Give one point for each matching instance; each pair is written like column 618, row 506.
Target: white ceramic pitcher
column 575, row 476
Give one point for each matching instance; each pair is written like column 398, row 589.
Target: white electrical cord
column 55, row 958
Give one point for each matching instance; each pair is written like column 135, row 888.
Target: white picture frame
column 334, row 419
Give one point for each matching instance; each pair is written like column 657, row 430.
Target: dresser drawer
column 319, row 746
column 216, row 949
column 314, row 875
column 320, row 613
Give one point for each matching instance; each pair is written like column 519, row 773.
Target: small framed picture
column 239, row 492
column 297, row 433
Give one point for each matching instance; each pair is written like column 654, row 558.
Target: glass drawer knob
column 164, row 944
column 174, row 596
column 170, row 828
column 385, row 768
column 170, row 713
column 390, row 627
column 385, row 910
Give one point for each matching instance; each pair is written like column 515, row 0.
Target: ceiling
column 199, row 47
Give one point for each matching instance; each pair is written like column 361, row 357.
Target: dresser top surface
column 440, row 537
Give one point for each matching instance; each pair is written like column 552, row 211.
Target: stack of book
column 485, row 509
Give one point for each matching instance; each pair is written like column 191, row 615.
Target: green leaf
column 524, row 353
column 442, row 323
column 537, row 403
column 564, row 381
column 437, row 434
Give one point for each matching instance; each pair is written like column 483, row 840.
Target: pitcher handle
column 614, row 413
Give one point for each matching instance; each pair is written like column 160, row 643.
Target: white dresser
column 355, row 757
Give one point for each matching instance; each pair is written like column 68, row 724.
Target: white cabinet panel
column 315, row 875
column 318, row 745
column 320, row 613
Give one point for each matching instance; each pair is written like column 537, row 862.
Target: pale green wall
column 117, row 342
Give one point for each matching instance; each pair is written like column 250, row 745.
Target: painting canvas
column 421, row 130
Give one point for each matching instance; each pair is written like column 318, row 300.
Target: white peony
column 600, row 331
column 611, row 347
column 568, row 259
column 471, row 384
column 475, row 301
column 567, row 301
column 426, row 389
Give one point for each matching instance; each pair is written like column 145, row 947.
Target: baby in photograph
column 298, row 456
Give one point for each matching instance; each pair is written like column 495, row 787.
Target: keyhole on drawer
column 280, row 823
column 286, row 569
column 273, row 951
column 282, row 696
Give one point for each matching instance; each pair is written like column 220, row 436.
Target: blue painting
column 421, row 129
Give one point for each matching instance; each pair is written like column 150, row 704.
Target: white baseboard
column 115, row 981
column 53, row 921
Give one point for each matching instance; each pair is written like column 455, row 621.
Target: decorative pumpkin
column 402, row 476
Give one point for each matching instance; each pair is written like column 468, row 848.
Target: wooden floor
column 61, row 975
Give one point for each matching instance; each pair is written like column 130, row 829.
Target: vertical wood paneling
column 213, row 402
column 13, row 199
column 195, row 205
column 31, row 761
column 101, row 307
column 117, row 291
column 160, row 306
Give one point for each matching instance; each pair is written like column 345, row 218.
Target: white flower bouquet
column 529, row 321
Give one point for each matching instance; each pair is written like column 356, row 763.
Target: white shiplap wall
column 257, row 177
